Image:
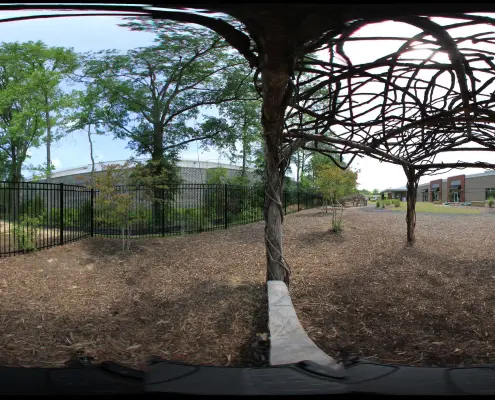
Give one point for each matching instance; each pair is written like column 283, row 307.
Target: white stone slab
column 289, row 342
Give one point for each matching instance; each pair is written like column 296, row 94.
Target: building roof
column 182, row 163
column 399, row 189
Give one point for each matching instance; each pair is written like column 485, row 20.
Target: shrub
column 383, row 204
column 190, row 219
column 490, row 202
column 397, row 203
column 249, row 215
column 32, row 207
column 26, row 231
column 378, row 203
column 71, row 217
column 85, row 214
column 337, row 225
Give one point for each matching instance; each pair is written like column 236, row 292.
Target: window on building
column 435, row 196
column 489, row 192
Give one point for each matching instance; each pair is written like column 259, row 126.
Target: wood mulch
column 201, row 298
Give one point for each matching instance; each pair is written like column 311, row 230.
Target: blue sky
column 85, row 34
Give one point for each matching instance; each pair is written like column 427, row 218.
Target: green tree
column 88, row 114
column 245, row 127
column 50, row 66
column 153, row 93
column 376, row 191
column 315, row 162
column 113, row 201
column 300, row 159
column 335, row 183
column 217, row 176
column 21, row 120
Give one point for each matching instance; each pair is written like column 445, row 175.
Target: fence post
column 225, row 213
column 61, row 213
column 298, row 205
column 92, row 214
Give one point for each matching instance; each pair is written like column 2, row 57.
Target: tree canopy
column 151, row 94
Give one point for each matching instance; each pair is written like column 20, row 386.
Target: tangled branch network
column 431, row 93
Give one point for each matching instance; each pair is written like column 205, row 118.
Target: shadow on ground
column 212, row 324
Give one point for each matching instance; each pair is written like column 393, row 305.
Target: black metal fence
column 39, row 215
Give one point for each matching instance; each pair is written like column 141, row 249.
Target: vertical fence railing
column 40, row 215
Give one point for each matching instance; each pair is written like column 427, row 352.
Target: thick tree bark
column 275, row 81
column 412, row 190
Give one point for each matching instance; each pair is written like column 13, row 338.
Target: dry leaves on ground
column 201, row 299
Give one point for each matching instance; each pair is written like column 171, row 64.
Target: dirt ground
column 201, row 298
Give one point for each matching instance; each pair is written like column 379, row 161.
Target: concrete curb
column 289, row 342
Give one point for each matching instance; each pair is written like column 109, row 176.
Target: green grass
column 438, row 209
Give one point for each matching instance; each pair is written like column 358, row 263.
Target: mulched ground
column 201, row 298
column 367, row 294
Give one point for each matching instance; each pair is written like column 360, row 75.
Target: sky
column 100, row 33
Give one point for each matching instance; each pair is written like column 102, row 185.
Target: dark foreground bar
column 305, row 378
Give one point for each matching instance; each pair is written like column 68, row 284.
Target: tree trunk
column 91, row 155
column 157, row 168
column 48, row 144
column 244, row 148
column 13, row 167
column 275, row 80
column 14, row 188
column 298, row 168
column 412, row 189
column 301, row 173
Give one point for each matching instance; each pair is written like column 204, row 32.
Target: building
column 190, row 172
column 190, row 194
column 397, row 193
column 459, row 188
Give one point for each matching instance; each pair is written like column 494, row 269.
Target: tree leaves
column 151, row 94
column 30, row 96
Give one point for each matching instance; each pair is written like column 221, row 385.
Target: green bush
column 396, row 203
column 26, row 231
column 72, row 217
column 32, row 207
column 249, row 215
column 190, row 219
column 378, row 203
column 337, row 225
column 490, row 202
column 85, row 214
column 383, row 204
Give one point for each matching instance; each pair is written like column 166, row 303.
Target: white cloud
column 56, row 163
